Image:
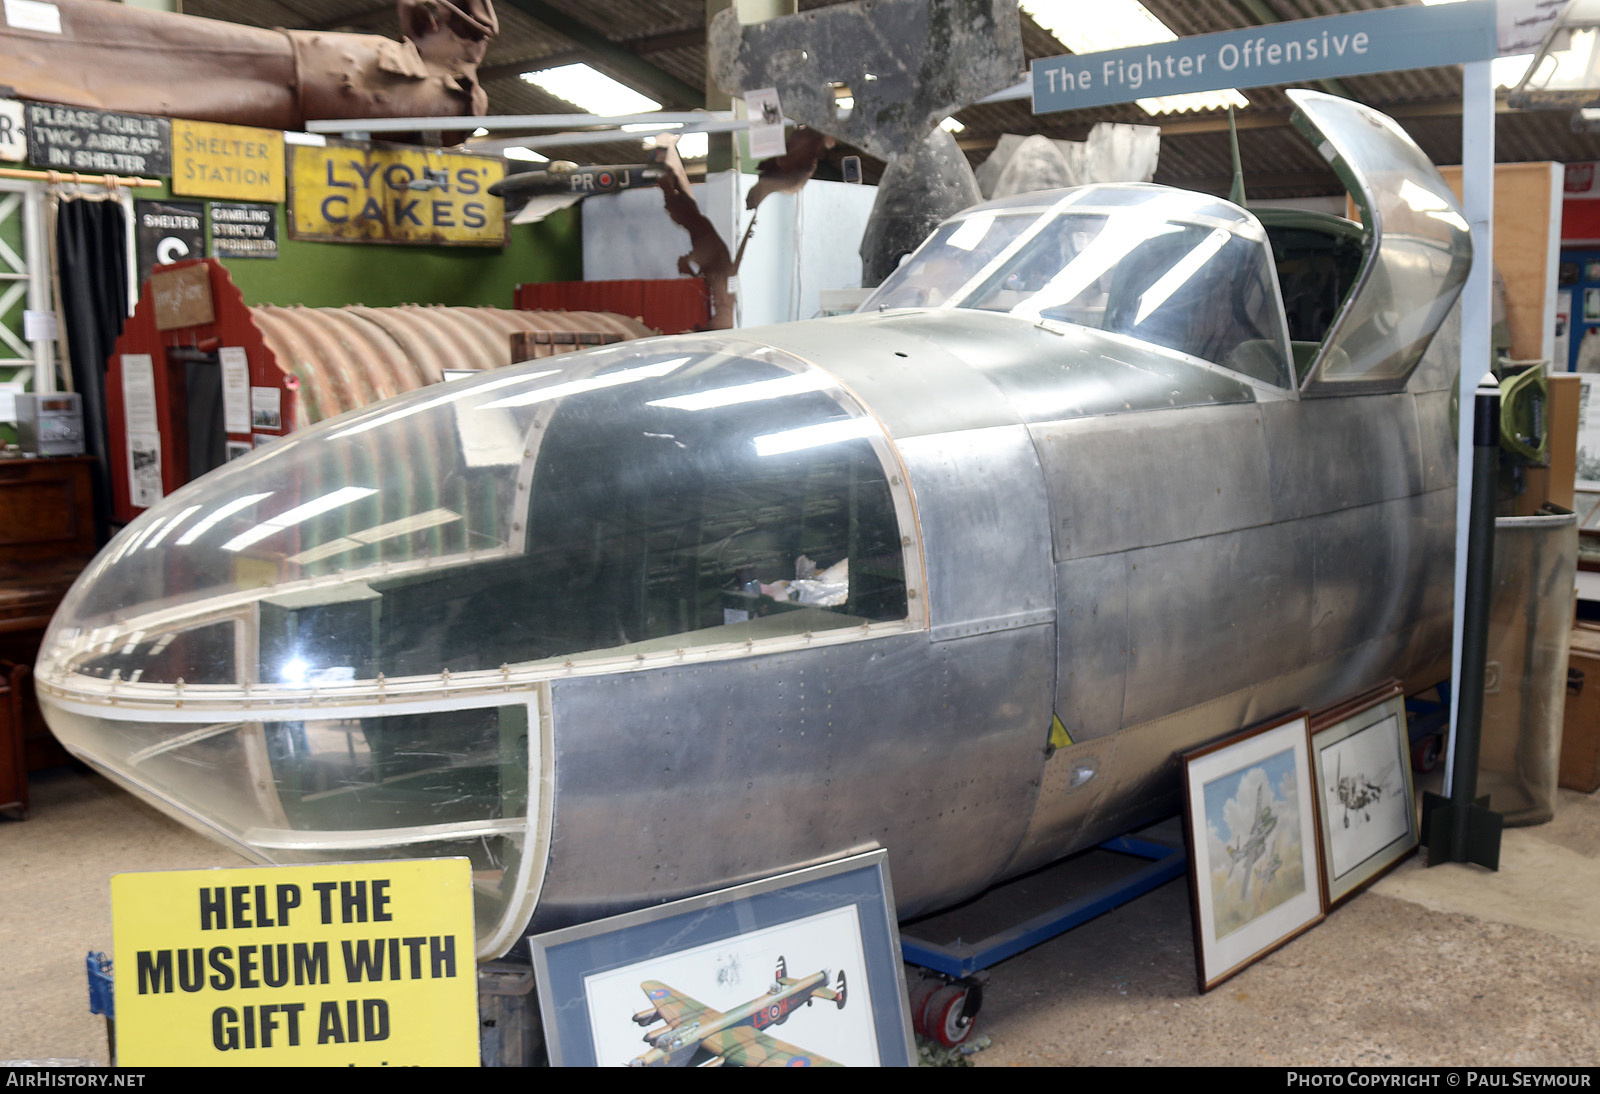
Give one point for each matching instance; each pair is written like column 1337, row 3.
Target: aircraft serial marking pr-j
column 695, row 1033
column 1096, row 476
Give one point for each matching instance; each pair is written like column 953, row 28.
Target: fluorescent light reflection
column 441, row 400
column 526, row 155
column 749, row 393
column 1430, row 204
column 416, row 523
column 132, row 543
column 1180, row 273
column 222, row 512
column 1108, row 248
column 343, row 496
column 590, row 90
column 170, row 526
column 814, row 436
column 592, row 383
column 971, row 231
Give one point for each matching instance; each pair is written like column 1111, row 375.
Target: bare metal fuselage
column 1144, row 547
column 555, row 618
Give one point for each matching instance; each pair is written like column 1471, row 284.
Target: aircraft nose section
column 338, row 646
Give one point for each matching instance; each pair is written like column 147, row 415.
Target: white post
column 1477, row 310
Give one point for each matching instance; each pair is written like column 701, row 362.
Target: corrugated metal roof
column 1191, row 152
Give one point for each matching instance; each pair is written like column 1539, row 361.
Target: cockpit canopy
column 1204, row 277
column 1181, row 270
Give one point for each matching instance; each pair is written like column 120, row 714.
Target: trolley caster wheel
column 921, row 992
column 1425, row 753
column 948, row 1015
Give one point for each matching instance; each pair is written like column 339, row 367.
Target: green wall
column 385, row 274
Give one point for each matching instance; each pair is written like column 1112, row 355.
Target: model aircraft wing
column 674, row 1007
column 743, row 1046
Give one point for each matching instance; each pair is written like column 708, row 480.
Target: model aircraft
column 566, row 177
column 696, row 1033
column 533, row 195
column 552, row 617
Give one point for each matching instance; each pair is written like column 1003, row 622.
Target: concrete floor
column 1453, row 965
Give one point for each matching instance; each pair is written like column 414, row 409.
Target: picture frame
column 1250, row 824
column 1588, row 457
column 1366, row 803
column 762, row 974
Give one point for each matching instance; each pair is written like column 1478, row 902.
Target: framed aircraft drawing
column 1249, row 819
column 797, row 970
column 1361, row 764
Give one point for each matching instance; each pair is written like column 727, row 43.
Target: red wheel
column 1425, row 753
column 946, row 1018
column 921, row 992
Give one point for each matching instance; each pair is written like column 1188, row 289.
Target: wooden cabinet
column 1580, row 734
column 46, row 539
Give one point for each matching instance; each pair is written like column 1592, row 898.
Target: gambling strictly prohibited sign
column 332, row 965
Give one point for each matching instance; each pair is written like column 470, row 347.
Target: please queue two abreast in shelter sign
column 343, row 964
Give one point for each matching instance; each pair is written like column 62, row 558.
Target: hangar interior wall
column 331, row 275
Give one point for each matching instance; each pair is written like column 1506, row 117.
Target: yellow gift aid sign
column 361, row 963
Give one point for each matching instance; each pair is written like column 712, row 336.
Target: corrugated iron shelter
column 304, row 364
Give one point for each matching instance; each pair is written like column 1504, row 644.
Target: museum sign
column 70, row 138
column 354, row 192
column 227, row 161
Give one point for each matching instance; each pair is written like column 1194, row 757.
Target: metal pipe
column 1480, row 588
column 1461, row 828
column 110, row 182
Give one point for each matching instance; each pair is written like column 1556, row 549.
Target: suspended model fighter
column 695, row 1033
column 645, row 621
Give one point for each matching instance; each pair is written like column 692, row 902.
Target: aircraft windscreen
column 955, row 254
column 1201, row 286
column 1184, row 271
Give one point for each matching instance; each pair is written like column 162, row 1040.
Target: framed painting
column 1249, row 817
column 797, row 970
column 1366, row 806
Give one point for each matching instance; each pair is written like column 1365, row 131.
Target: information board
column 355, row 192
column 13, row 131
column 227, row 161
column 165, row 232
column 243, row 231
column 72, row 138
column 328, row 965
column 1409, row 36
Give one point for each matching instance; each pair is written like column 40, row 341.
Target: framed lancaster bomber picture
column 1366, row 812
column 797, row 970
column 1249, row 818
